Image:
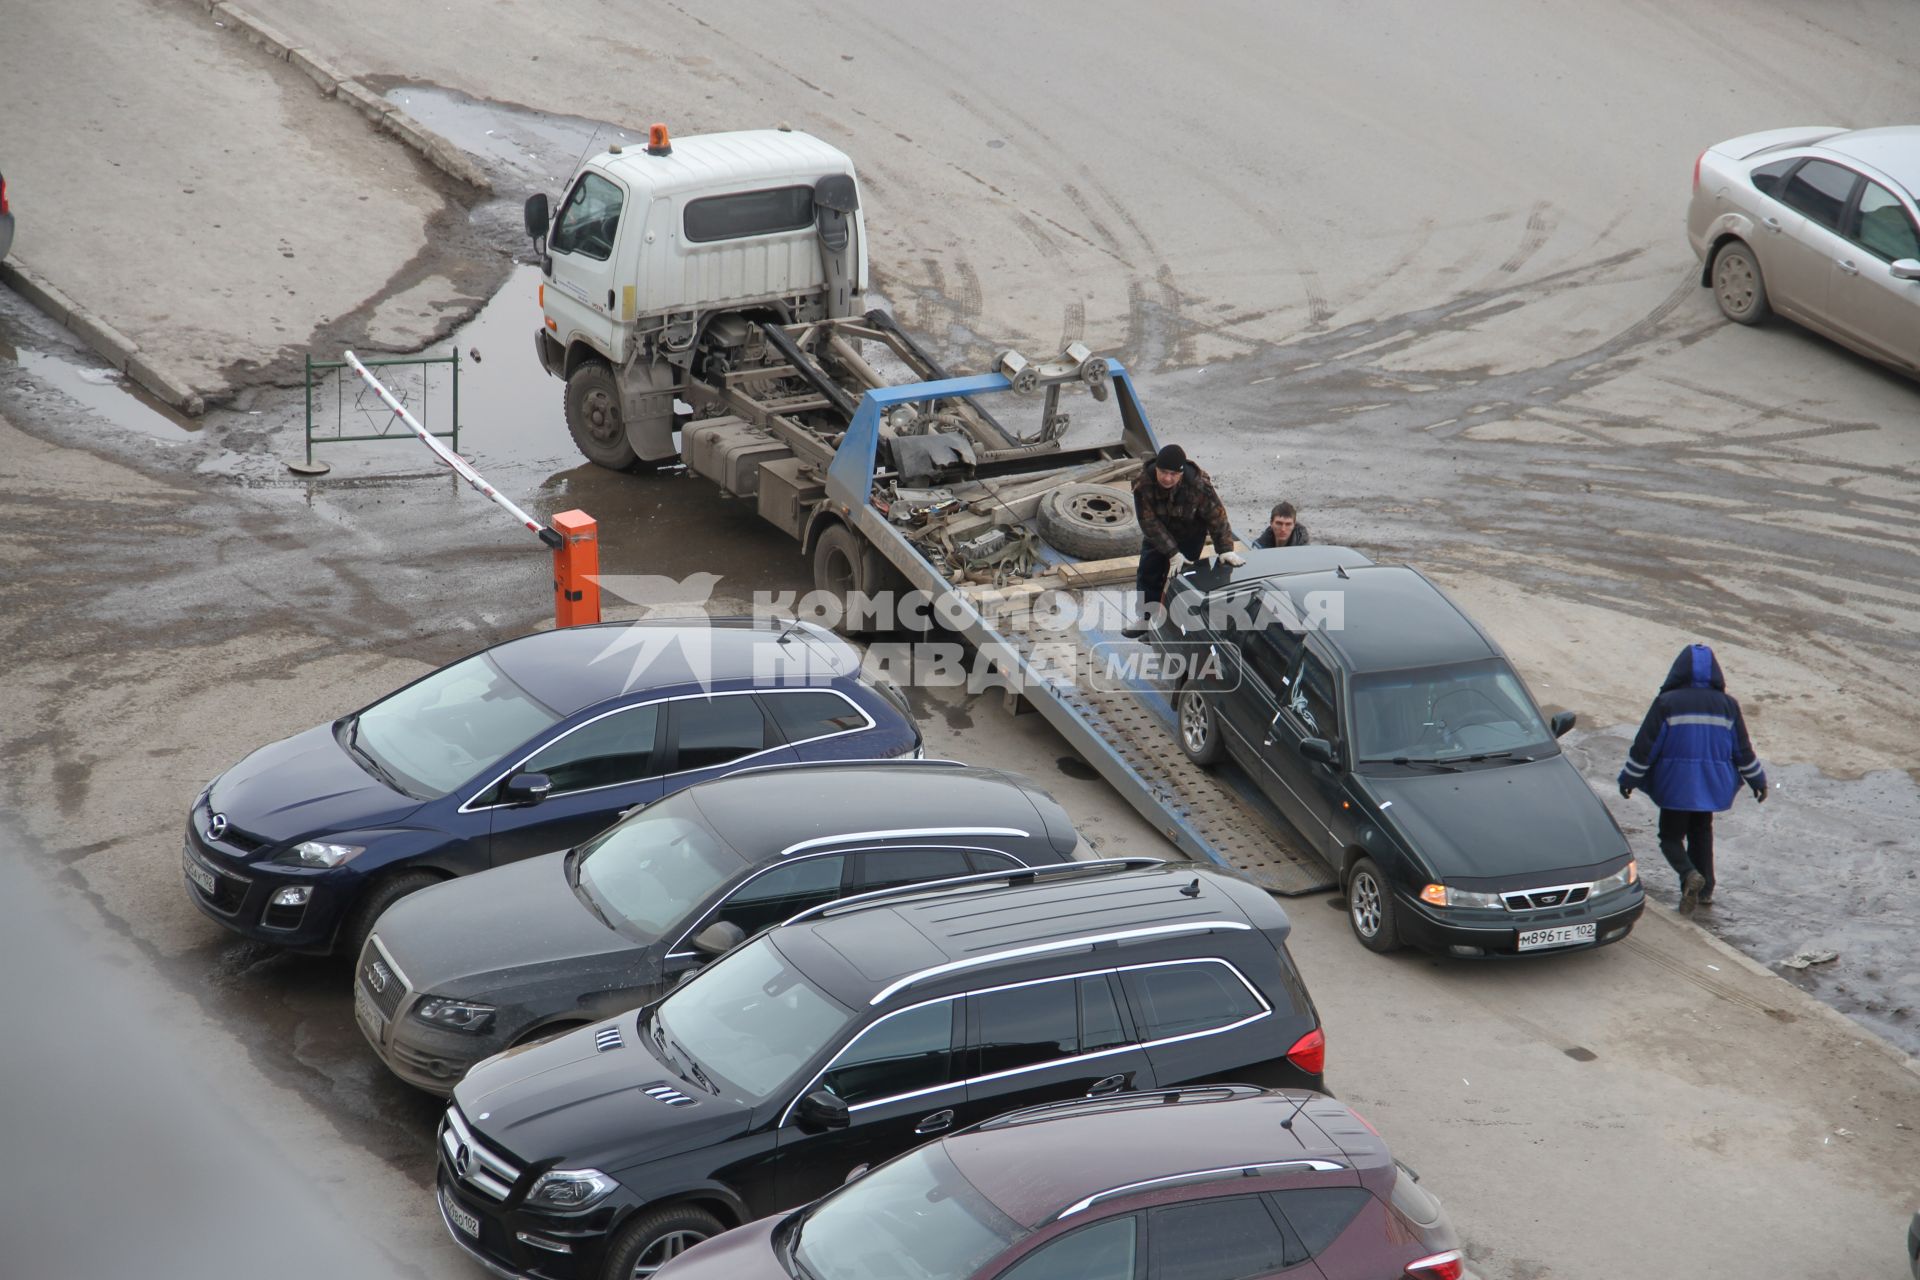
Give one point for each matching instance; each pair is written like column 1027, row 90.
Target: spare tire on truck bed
column 1091, row 521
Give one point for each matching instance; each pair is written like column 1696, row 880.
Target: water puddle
column 543, row 149
column 105, row 393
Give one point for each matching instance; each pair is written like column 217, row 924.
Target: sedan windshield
column 914, row 1218
column 1445, row 713
column 750, row 1020
column 648, row 872
column 434, row 735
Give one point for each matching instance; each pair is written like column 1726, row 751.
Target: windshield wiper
column 365, row 757
column 1493, row 755
column 699, row 1076
column 795, row 1267
column 1441, row 765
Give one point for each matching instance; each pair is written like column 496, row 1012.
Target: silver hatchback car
column 1819, row 224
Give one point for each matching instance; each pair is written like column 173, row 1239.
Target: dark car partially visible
column 462, row 970
column 6, row 218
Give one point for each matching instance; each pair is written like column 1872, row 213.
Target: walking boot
column 1690, row 891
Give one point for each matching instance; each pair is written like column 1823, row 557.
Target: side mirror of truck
column 537, row 215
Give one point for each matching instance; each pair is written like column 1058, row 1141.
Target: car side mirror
column 822, row 1111
column 526, row 788
column 856, row 1173
column 537, row 215
column 1318, row 750
column 1904, row 269
column 1562, row 722
column 719, row 938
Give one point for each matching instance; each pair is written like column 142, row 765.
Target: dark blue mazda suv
column 522, row 749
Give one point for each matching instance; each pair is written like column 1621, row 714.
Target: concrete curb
column 116, row 348
column 433, row 148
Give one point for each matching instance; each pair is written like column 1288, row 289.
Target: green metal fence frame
column 324, row 366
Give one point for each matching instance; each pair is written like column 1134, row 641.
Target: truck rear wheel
column 846, row 564
column 593, row 418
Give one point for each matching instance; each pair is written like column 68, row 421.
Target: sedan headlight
column 456, row 1015
column 1629, row 874
column 320, row 853
column 1441, row 895
column 570, row 1189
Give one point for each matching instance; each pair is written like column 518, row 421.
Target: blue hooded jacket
column 1692, row 751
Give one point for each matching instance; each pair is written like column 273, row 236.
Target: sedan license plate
column 198, row 874
column 1566, row 935
column 371, row 1020
column 467, row 1222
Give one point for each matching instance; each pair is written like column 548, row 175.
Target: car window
column 1882, row 227
column 914, row 1218
column 885, row 868
column 985, row 860
column 1100, row 1024
column 772, row 896
column 603, row 753
column 1313, row 701
column 1270, row 652
column 1103, row 1251
column 1430, row 713
column 749, row 213
column 1769, row 177
column 589, row 218
column 1027, row 1025
column 647, row 873
column 1226, row 1239
column 1319, row 1214
column 902, row 1053
column 1179, row 999
column 438, row 732
column 1820, row 190
column 803, row 717
column 750, row 1019
column 714, row 731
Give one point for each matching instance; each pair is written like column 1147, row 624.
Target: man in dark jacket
column 1690, row 757
column 1283, row 529
column 1177, row 508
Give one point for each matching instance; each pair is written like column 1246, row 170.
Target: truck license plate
column 1566, row 935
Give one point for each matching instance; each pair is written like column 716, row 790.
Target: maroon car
column 1224, row 1182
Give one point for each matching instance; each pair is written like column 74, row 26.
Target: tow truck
column 702, row 300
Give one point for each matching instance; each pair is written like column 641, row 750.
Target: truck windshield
column 1446, row 713
column 648, row 872
column 918, row 1212
column 751, row 1020
column 435, row 734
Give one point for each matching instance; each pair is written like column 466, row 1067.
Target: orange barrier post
column 576, row 569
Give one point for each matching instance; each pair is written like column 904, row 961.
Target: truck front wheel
column 593, row 418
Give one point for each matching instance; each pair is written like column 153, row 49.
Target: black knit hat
column 1171, row 458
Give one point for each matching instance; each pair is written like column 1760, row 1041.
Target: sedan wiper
column 1493, row 755
column 795, row 1267
column 365, row 757
column 1411, row 760
column 699, row 1076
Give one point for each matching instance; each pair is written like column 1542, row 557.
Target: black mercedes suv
column 849, row 1035
column 1397, row 739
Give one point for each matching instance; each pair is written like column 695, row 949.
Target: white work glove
column 1175, row 565
column 1235, row 559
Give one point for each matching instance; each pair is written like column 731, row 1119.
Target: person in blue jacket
column 1690, row 757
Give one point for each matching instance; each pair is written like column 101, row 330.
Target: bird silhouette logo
column 661, row 598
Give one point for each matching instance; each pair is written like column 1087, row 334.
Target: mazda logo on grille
column 217, row 827
column 461, row 1159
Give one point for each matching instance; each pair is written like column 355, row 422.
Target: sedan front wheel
column 1737, row 284
column 1199, row 727
column 1370, row 908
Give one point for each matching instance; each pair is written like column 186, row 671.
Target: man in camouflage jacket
column 1177, row 509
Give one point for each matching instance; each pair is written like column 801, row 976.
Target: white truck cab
column 661, row 262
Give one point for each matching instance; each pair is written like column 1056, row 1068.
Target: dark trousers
column 1686, row 839
column 1151, row 580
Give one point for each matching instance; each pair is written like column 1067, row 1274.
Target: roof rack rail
column 1012, row 875
column 1068, row 1106
column 1260, row 1169
column 836, row 764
